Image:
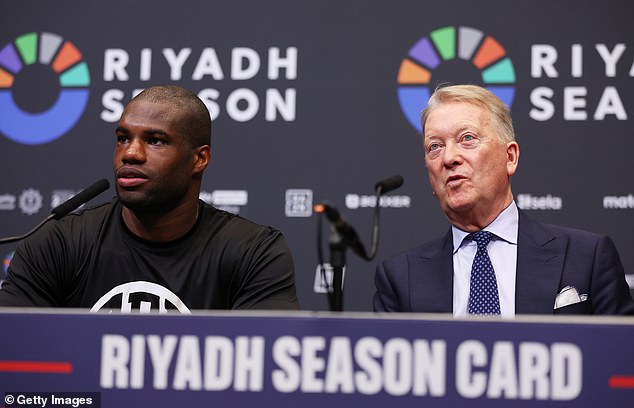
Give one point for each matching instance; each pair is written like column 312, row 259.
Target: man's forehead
column 149, row 109
column 152, row 113
column 455, row 117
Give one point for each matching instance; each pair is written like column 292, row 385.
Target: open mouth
column 455, row 179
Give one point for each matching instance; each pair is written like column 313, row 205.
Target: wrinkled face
column 153, row 159
column 469, row 166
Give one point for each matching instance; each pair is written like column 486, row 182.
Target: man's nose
column 134, row 152
column 451, row 155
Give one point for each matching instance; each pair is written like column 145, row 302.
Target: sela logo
column 453, row 53
column 141, row 296
column 43, row 88
column 531, row 202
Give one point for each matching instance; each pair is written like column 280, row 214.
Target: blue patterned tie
column 483, row 292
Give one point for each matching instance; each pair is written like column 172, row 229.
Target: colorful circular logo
column 446, row 44
column 34, row 56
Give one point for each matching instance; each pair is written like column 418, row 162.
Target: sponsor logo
column 618, row 202
column 30, row 201
column 7, row 202
column 44, row 83
column 60, row 196
column 448, row 46
column 43, row 88
column 530, row 202
column 230, row 71
column 228, row 200
column 351, row 366
column 140, row 296
column 578, row 103
column 356, row 201
column 299, row 203
column 323, row 281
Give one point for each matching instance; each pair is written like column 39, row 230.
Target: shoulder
column 88, row 221
column 83, row 221
column 577, row 243
column 94, row 212
column 544, row 231
column 230, row 226
column 426, row 250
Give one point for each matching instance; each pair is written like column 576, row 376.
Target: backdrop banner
column 316, row 101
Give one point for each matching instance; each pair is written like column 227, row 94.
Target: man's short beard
column 152, row 202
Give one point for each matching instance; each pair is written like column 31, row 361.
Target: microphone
column 343, row 228
column 80, row 198
column 347, row 237
column 61, row 210
column 389, row 184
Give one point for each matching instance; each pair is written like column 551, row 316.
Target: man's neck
column 162, row 227
column 474, row 221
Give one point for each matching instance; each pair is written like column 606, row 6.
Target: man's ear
column 202, row 157
column 513, row 157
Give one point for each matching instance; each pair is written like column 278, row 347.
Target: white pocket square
column 569, row 296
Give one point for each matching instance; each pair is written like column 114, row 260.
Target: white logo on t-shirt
column 141, row 294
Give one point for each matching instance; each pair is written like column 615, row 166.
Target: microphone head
column 80, row 198
column 389, row 184
column 329, row 210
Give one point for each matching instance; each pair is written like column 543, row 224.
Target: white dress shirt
column 503, row 253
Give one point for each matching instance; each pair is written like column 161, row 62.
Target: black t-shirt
column 91, row 260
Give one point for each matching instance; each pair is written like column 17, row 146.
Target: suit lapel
column 540, row 260
column 431, row 277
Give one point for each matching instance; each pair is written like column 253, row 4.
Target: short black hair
column 199, row 126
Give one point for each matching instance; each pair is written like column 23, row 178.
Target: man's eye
column 122, row 139
column 156, row 141
column 468, row 138
column 433, row 146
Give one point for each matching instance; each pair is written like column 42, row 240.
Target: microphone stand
column 338, row 247
column 343, row 236
column 64, row 208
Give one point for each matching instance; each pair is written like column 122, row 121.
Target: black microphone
column 80, row 198
column 344, row 229
column 61, row 210
column 347, row 237
column 389, row 184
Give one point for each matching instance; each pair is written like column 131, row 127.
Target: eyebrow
column 149, row 132
column 459, row 130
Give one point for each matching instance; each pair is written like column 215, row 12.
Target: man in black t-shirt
column 156, row 246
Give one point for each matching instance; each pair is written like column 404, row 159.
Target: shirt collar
column 505, row 227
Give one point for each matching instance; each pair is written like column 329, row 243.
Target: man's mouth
column 128, row 177
column 455, row 179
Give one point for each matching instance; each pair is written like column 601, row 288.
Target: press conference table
column 59, row 358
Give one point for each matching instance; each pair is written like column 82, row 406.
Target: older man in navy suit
column 495, row 259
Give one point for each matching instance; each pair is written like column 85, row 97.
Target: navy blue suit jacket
column 549, row 258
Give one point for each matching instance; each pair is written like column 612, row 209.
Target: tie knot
column 482, row 238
